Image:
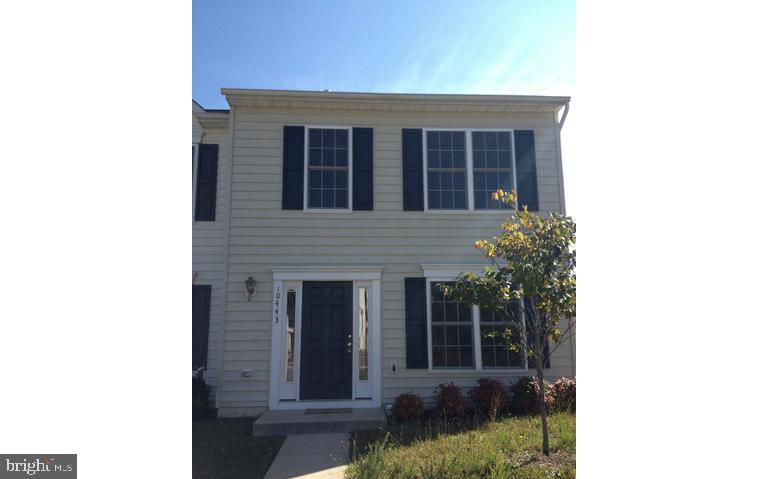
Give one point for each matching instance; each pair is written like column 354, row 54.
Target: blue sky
column 514, row 47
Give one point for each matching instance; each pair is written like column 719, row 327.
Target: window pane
column 458, row 159
column 467, row 358
column 434, row 199
column 327, row 199
column 362, row 339
column 315, row 179
column 438, row 357
column 490, row 141
column 315, row 156
column 341, row 157
column 478, row 140
column 315, row 196
column 504, row 141
column 341, row 198
column 341, row 138
column 328, row 141
column 458, row 140
column 505, row 159
column 315, row 137
column 328, row 157
column 433, row 159
column 452, row 357
column 340, row 179
column 433, row 142
column 290, row 330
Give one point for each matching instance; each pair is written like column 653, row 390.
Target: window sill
column 327, row 210
column 470, row 212
column 475, row 372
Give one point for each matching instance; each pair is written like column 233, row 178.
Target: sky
column 515, row 47
column 474, row 46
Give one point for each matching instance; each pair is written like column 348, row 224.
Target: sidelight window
column 290, row 335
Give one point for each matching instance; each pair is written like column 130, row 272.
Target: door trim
column 291, row 276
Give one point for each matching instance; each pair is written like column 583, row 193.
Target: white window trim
column 307, row 209
column 469, row 171
column 439, row 273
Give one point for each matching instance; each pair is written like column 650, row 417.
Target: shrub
column 525, row 396
column 564, row 391
column 408, row 407
column 199, row 394
column 450, row 402
column 489, row 397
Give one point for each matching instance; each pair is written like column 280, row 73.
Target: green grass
column 507, row 448
column 224, row 449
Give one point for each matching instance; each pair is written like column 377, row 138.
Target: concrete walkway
column 311, row 456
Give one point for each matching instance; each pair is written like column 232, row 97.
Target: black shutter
column 529, row 327
column 293, row 167
column 201, row 312
column 362, row 168
column 413, row 170
column 416, row 323
column 207, row 166
column 525, row 165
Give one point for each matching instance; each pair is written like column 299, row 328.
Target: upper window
column 446, row 170
column 488, row 158
column 328, row 168
column 492, row 166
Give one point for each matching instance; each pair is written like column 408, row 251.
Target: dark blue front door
column 326, row 340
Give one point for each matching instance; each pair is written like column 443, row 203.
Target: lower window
column 451, row 332
column 453, row 327
column 494, row 344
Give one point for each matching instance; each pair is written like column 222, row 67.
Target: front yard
column 224, row 449
column 508, row 448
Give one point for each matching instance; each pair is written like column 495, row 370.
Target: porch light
column 250, row 287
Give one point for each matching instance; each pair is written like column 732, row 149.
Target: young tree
column 532, row 271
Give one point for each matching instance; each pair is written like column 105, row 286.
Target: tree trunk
column 542, row 405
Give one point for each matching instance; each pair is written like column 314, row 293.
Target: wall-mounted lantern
column 250, row 287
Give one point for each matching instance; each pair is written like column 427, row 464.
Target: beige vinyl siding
column 208, row 253
column 262, row 234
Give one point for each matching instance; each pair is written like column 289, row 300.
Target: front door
column 326, row 340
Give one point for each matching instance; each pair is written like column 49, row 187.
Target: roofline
column 392, row 101
column 209, row 110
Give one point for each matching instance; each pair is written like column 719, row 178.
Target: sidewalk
column 311, row 456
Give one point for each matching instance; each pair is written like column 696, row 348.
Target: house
column 210, row 207
column 346, row 209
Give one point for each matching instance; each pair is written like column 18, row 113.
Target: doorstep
column 313, row 421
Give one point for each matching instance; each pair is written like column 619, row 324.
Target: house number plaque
column 277, row 304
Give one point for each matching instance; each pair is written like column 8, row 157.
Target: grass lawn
column 225, row 449
column 507, row 448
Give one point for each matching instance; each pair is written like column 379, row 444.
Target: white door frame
column 291, row 277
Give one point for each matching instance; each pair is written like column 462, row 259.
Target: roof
column 392, row 101
column 212, row 118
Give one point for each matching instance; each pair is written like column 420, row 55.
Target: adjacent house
column 345, row 210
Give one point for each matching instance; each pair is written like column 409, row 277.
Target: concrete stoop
column 284, row 423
